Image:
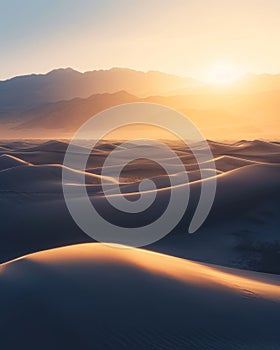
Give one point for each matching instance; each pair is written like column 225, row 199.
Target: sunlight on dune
column 178, row 269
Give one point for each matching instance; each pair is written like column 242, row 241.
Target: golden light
column 223, row 74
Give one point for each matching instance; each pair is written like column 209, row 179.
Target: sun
column 223, row 74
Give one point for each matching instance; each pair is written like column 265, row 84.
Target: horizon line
column 65, row 68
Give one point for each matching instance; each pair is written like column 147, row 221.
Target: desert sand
column 95, row 296
column 241, row 230
column 202, row 291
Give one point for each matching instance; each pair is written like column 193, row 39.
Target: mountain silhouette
column 24, row 92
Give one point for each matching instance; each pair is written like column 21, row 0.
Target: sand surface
column 93, row 296
column 202, row 291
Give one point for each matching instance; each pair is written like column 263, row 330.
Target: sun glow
column 223, row 74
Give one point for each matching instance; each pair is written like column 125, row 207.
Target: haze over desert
column 139, row 175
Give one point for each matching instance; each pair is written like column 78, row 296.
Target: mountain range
column 27, row 91
column 57, row 103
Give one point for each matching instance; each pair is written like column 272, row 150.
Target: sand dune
column 265, row 175
column 163, row 182
column 215, row 289
column 95, row 296
column 4, row 149
column 53, row 151
column 44, row 178
column 51, row 146
column 226, row 163
column 143, row 168
column 7, row 161
column 30, row 179
column 258, row 146
column 103, row 297
column 241, row 230
column 233, row 235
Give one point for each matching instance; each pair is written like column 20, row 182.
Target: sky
column 184, row 37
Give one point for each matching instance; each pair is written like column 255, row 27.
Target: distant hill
column 54, row 105
column 217, row 115
column 23, row 92
column 69, row 115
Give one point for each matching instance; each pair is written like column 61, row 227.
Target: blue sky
column 184, row 37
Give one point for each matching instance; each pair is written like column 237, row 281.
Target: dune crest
column 8, row 161
column 241, row 230
column 121, row 298
column 183, row 270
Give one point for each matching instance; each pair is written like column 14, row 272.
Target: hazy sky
column 185, row 37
